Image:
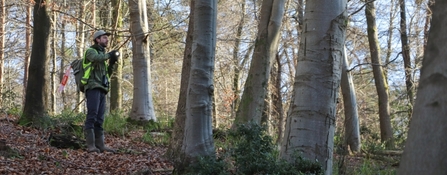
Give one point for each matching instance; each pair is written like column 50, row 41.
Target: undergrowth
column 250, row 150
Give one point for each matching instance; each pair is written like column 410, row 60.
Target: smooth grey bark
column 176, row 142
column 311, row 118
column 142, row 106
column 386, row 131
column 198, row 137
column 425, row 149
column 352, row 130
column 252, row 103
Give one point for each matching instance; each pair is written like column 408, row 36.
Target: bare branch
column 384, row 65
column 358, row 10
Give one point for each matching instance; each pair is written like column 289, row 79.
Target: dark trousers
column 96, row 104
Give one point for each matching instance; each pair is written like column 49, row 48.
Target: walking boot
column 99, row 142
column 90, row 139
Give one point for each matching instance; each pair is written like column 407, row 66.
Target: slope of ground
column 25, row 150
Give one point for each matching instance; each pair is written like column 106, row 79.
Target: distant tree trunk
column 389, row 38
column 255, row 90
column 352, row 130
column 386, row 132
column 36, row 104
column 93, row 4
column 311, row 119
column 236, row 79
column 236, row 60
column 63, row 55
column 198, row 137
column 277, row 104
column 406, row 54
column 27, row 49
column 53, row 75
column 425, row 151
column 80, row 50
column 142, row 106
column 427, row 23
column 180, row 115
column 116, row 93
column 300, row 10
column 104, row 13
column 2, row 45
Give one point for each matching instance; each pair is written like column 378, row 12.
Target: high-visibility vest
column 88, row 68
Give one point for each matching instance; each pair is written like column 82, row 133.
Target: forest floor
column 25, row 150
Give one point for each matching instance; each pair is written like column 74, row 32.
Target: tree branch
column 361, row 8
column 56, row 10
column 384, row 65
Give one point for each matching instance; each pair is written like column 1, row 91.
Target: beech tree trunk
column 142, row 106
column 425, row 149
column 310, row 124
column 352, row 130
column 255, row 90
column 198, row 137
column 36, row 103
column 386, row 132
column 180, row 115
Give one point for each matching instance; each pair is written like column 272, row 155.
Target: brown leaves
column 36, row 156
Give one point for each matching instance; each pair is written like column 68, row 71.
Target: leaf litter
column 26, row 150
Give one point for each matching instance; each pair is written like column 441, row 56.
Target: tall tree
column 198, row 137
column 180, row 115
column 406, row 53
column 93, row 5
column 386, row 132
column 2, row 44
column 116, row 93
column 80, row 42
column 63, row 53
column 237, row 60
column 252, row 104
column 142, row 106
column 352, row 129
column 53, row 75
column 27, row 48
column 36, row 104
column 277, row 112
column 425, row 151
column 310, row 124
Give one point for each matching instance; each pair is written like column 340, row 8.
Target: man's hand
column 113, row 57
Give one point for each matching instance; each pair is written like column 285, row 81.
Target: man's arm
column 93, row 56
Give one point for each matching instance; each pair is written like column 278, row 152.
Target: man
column 98, row 66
